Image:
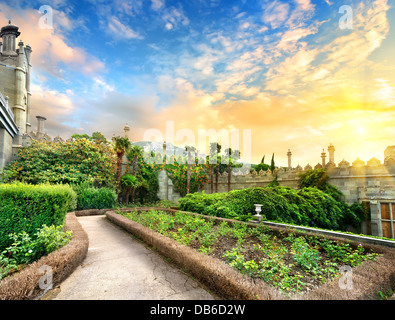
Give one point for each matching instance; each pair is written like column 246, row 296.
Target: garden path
column 120, row 267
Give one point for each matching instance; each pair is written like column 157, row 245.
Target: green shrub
column 25, row 207
column 308, row 206
column 89, row 197
column 25, row 248
column 72, row 161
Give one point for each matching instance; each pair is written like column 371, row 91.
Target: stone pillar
column 19, row 105
column 323, row 156
column 331, row 150
column 166, row 177
column 28, row 51
column 40, row 126
column 375, row 218
column 289, row 154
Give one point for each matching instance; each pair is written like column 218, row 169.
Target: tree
column 80, row 136
column 121, row 145
column 130, row 183
column 232, row 156
column 217, row 167
column 272, row 166
column 96, row 137
column 133, row 154
column 71, row 162
column 261, row 166
column 211, row 160
column 189, row 163
column 178, row 172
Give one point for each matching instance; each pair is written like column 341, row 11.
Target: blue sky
column 283, row 69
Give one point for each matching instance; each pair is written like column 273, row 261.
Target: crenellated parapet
column 357, row 180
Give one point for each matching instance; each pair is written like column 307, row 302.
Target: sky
column 295, row 75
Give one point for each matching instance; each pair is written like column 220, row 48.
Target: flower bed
column 289, row 261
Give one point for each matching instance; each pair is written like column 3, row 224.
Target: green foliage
column 89, row 197
column 26, row 208
column 70, row 162
column 304, row 255
column 315, row 256
column 148, row 193
column 261, row 166
column 314, row 178
column 178, row 175
column 25, row 248
column 308, row 206
column 272, row 165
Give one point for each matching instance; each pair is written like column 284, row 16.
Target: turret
column 126, row 129
column 323, row 157
column 331, row 150
column 289, row 155
column 9, row 34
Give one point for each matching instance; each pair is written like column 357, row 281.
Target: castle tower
column 14, row 92
column 331, row 150
column 9, row 34
column 15, row 78
column 126, row 129
column 289, row 155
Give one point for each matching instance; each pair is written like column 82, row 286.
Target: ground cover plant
column 26, row 248
column 291, row 262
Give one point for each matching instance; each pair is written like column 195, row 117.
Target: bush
column 26, row 208
column 25, row 248
column 70, row 162
column 89, row 197
column 308, row 206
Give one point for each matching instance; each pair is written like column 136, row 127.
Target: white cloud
column 120, row 30
column 157, row 4
column 275, row 13
column 174, row 17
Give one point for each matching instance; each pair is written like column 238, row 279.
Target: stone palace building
column 15, row 70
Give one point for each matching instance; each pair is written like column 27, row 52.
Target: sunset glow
column 285, row 70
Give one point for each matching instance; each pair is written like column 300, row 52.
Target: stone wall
column 359, row 181
column 5, row 148
column 166, row 188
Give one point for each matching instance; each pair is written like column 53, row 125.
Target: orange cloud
column 49, row 45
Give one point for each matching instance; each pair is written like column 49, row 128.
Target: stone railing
column 5, row 106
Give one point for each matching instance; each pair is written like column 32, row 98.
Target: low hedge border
column 216, row 275
column 24, row 285
column 368, row 279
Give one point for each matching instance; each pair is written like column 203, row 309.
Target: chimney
column 40, row 126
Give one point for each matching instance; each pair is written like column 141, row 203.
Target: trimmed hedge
column 89, row 197
column 308, row 206
column 25, row 207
